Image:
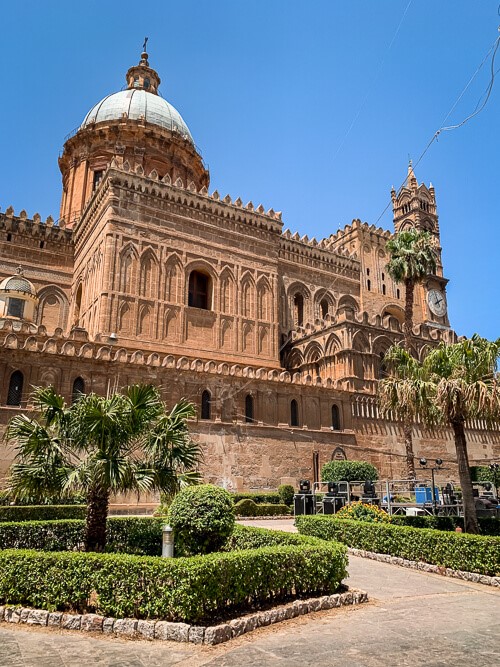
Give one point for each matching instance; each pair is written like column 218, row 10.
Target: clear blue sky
column 269, row 89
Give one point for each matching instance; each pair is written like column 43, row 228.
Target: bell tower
column 414, row 207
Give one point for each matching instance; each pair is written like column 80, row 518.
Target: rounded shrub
column 287, row 493
column 348, row 471
column 363, row 512
column 245, row 507
column 202, row 518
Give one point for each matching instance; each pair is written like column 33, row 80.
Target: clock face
column 437, row 302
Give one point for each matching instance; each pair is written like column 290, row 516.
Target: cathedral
column 147, row 276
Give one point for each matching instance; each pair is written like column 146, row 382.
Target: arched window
column 206, row 400
column 369, row 284
column 294, row 413
column 15, row 392
column 324, row 307
column 199, row 290
column 336, row 425
column 249, row 408
column 398, row 294
column 78, row 389
column 298, row 304
column 383, row 289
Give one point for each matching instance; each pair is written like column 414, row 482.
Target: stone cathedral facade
column 149, row 277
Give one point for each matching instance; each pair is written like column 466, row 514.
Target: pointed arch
column 264, row 296
column 148, row 275
column 15, row 390
column 247, row 295
column 336, row 418
column 145, row 327
column 225, row 334
column 206, row 405
column 264, row 341
column 125, row 318
column 173, row 280
column 313, row 352
column 53, row 307
column 294, row 413
column 171, row 325
column 247, row 337
column 128, row 269
column 227, row 291
column 78, row 389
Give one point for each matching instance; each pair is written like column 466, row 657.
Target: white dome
column 138, row 104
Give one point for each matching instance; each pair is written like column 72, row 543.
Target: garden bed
column 462, row 552
column 259, row 568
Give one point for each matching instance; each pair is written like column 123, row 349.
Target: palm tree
column 453, row 384
column 413, row 256
column 100, row 446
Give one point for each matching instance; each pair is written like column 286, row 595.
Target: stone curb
column 179, row 632
column 265, row 517
column 473, row 577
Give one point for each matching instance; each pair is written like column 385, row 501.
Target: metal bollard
column 167, row 547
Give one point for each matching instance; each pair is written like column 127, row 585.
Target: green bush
column 348, row 471
column 258, row 497
column 124, row 534
column 286, row 494
column 193, row 590
column 7, row 498
column 248, row 537
column 247, row 507
column 41, row 512
column 202, row 518
column 363, row 512
column 459, row 551
column 488, row 525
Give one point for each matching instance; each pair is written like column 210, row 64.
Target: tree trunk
column 410, row 459
column 407, row 421
column 408, row 325
column 470, row 517
column 97, row 514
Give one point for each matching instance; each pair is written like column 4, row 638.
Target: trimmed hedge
column 41, row 512
column 140, row 536
column 271, row 497
column 348, row 471
column 247, row 507
column 459, row 551
column 192, row 589
column 248, row 537
column 488, row 525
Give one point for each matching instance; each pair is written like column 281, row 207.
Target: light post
column 439, row 463
column 167, row 547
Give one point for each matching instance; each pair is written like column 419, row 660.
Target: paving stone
column 55, row 618
column 38, row 617
column 25, row 612
column 146, row 629
column 125, row 626
column 217, row 634
column 92, row 622
column 161, row 630
column 12, row 614
column 178, row 632
column 196, row 634
column 71, row 621
column 238, row 626
column 107, row 625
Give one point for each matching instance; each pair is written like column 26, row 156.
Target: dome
column 18, row 284
column 138, row 104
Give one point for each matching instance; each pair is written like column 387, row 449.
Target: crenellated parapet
column 35, row 228
column 301, row 249
column 202, row 205
column 343, row 236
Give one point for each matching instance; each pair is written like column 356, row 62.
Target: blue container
column 423, row 494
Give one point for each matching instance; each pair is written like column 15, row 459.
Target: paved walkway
column 413, row 619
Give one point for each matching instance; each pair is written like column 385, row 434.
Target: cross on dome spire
column 142, row 76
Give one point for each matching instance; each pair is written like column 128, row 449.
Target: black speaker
column 303, row 503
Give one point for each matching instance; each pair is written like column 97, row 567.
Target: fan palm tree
column 99, row 446
column 453, row 384
column 413, row 256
